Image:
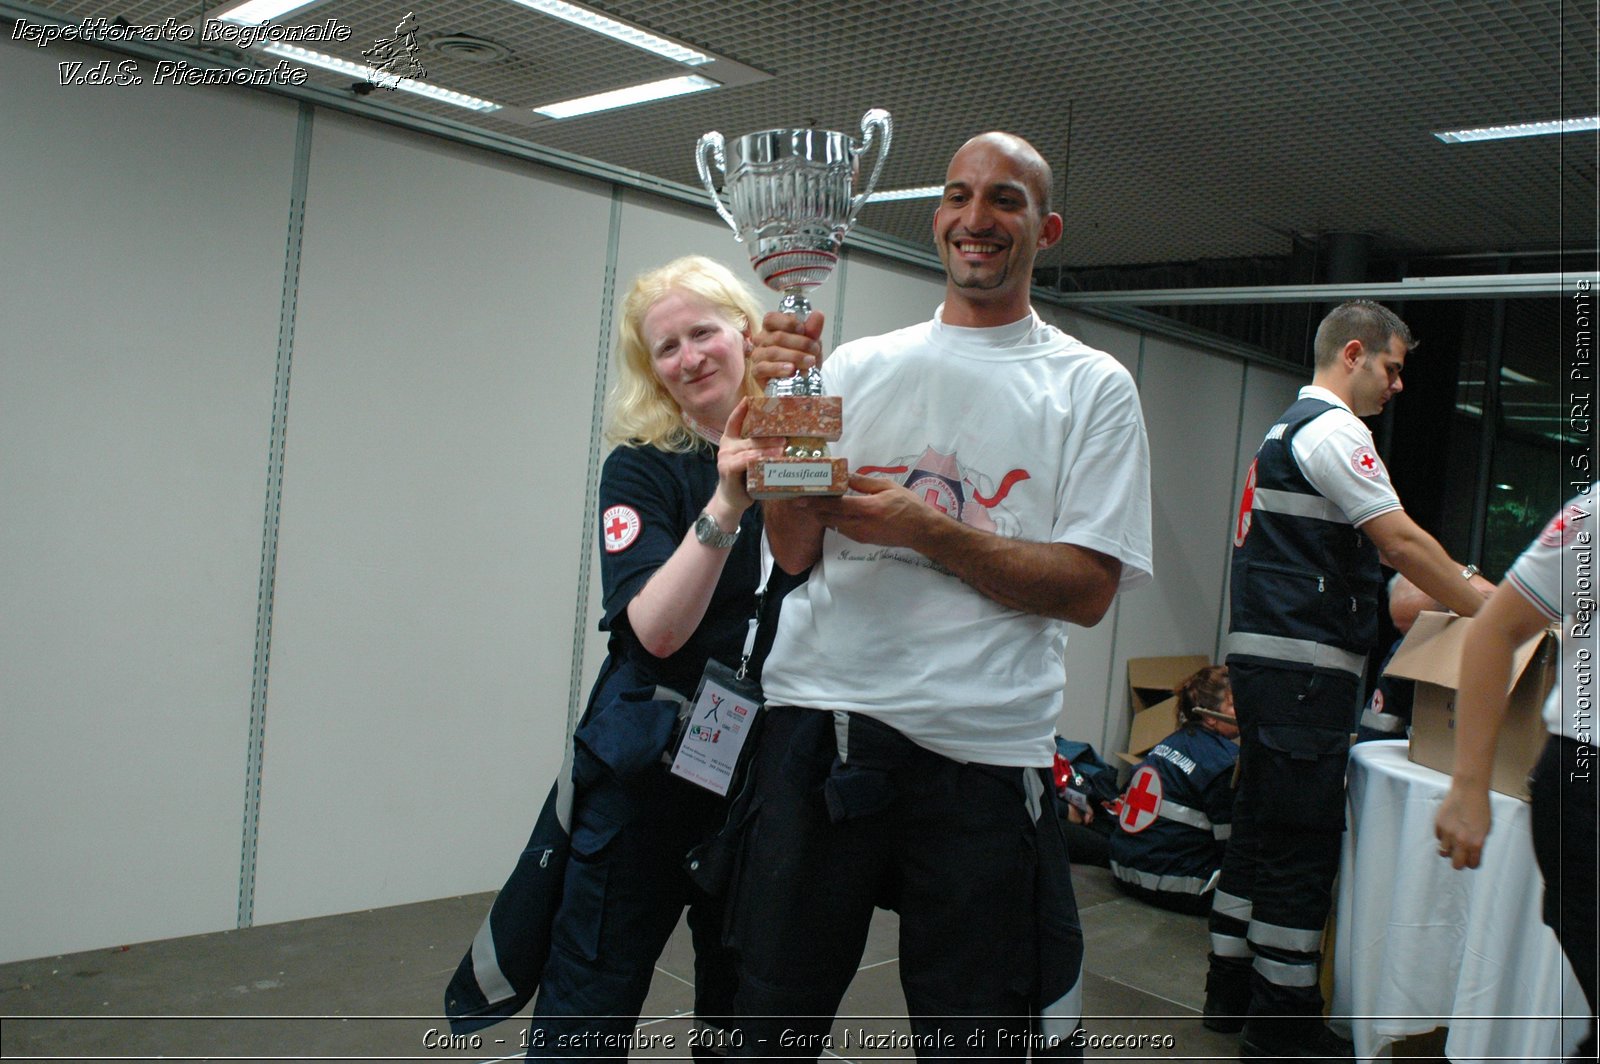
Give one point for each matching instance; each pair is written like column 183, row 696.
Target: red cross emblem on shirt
column 619, row 527
column 1562, row 528
column 1142, row 800
column 1366, row 463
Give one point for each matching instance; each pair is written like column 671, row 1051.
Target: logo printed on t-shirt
column 1366, row 463
column 619, row 527
column 941, row 481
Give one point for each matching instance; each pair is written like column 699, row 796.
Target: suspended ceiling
column 1179, row 131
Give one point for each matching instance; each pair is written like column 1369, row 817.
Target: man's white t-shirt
column 1019, row 430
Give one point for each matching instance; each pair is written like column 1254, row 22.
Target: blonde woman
column 680, row 569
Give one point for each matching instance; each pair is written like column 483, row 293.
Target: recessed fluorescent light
column 633, row 94
column 595, row 22
column 890, row 195
column 378, row 77
column 1521, row 129
column 255, row 12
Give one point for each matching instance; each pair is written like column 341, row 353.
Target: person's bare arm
column 1405, row 546
column 1506, row 621
column 1060, row 580
column 672, row 603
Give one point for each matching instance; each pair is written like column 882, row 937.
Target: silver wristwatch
column 708, row 532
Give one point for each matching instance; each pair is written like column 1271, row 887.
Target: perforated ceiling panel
column 1178, row 130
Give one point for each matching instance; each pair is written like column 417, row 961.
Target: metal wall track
column 269, row 535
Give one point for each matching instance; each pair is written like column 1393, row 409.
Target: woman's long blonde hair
column 641, row 411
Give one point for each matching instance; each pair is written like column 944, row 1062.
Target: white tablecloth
column 1420, row 946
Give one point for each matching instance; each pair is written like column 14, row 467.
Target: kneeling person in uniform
column 1173, row 824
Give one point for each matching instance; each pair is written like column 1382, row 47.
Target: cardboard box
column 1431, row 655
column 1151, row 680
column 1150, row 726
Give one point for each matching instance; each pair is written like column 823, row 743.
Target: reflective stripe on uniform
column 1230, row 946
column 1301, row 651
column 1184, row 815
column 1232, row 905
column 1291, row 938
column 486, row 966
column 1033, row 795
column 1168, row 884
column 1280, row 974
column 1296, row 504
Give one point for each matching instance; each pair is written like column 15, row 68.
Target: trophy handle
column 871, row 122
column 706, row 153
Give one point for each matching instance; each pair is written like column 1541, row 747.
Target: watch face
column 707, row 532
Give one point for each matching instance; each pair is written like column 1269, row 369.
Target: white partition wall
column 142, row 270
column 426, row 340
column 445, row 355
column 1191, row 404
column 873, row 296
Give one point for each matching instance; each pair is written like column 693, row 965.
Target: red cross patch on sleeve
column 1366, row 463
column 1563, row 528
column 619, row 527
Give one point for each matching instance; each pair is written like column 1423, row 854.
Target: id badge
column 720, row 720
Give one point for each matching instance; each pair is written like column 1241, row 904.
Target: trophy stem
column 794, row 302
column 807, row 382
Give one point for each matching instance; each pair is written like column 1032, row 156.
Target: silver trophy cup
column 791, row 200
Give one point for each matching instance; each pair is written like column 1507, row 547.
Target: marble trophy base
column 806, row 421
column 819, row 417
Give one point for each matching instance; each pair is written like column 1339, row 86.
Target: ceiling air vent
column 467, row 48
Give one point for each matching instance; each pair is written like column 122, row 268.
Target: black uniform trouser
column 952, row 847
column 1276, row 888
column 624, row 890
column 1564, row 844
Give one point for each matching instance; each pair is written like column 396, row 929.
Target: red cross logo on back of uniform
column 1140, row 803
column 1247, row 503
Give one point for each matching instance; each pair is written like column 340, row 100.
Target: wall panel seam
column 591, row 484
column 256, row 747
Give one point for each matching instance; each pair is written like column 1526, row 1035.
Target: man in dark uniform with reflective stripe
column 1318, row 513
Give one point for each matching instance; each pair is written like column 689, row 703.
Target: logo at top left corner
column 619, row 527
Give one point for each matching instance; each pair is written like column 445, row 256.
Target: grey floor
column 368, row 986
